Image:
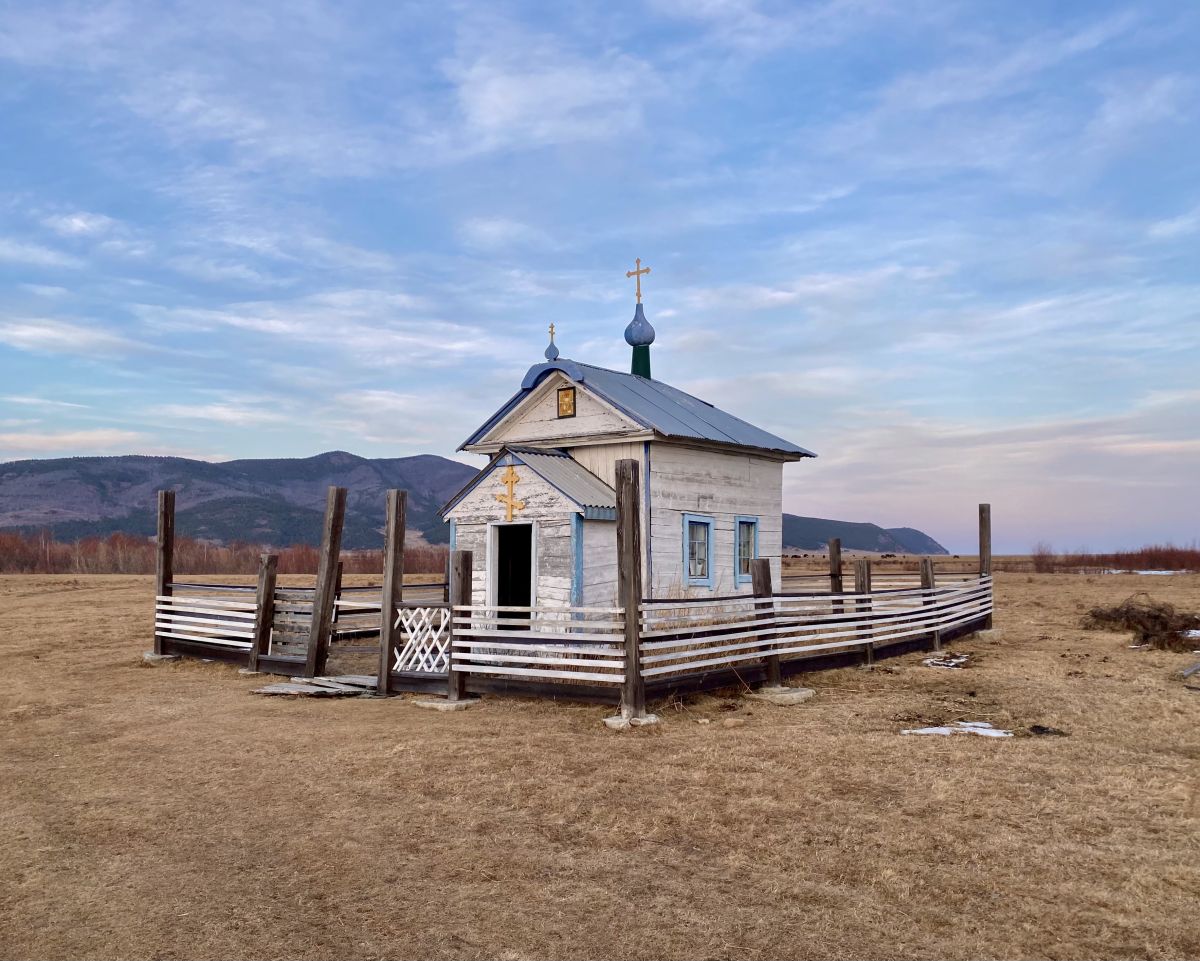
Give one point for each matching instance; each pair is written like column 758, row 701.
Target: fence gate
column 424, row 643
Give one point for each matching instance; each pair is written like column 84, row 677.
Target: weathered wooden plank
column 862, row 586
column 164, row 557
column 835, row 565
column 264, row 619
column 629, row 582
column 760, row 572
column 985, row 546
column 460, row 596
column 929, row 584
column 322, row 616
column 392, row 592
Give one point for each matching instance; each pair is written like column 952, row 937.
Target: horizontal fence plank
column 591, row 650
column 473, row 656
column 215, row 603
column 201, row 639
column 543, row 637
column 200, row 629
column 530, row 672
column 464, row 608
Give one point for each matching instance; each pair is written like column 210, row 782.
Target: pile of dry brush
column 1156, row 623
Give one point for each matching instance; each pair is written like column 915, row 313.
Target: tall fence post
column 835, row 565
column 835, row 573
column 460, row 596
column 324, row 594
column 928, row 583
column 264, row 609
column 164, row 560
column 764, row 610
column 985, row 550
column 862, row 586
column 393, row 587
column 629, row 584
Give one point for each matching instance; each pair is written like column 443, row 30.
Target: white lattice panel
column 425, row 635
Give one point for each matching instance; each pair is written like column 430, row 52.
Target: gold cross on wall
column 638, row 274
column 510, row 480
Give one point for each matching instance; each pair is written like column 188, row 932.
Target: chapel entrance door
column 514, row 570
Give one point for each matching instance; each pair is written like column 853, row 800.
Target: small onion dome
column 551, row 350
column 639, row 333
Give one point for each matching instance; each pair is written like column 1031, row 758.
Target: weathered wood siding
column 723, row 486
column 599, row 563
column 601, row 459
column 551, row 514
column 536, row 420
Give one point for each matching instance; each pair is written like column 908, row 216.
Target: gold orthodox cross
column 510, row 480
column 638, row 274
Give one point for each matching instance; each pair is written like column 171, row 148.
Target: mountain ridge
column 281, row 500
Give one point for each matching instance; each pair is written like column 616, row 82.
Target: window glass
column 697, row 549
column 745, row 546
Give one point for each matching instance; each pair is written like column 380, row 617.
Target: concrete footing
column 436, row 704
column 151, row 658
column 622, row 723
column 783, row 696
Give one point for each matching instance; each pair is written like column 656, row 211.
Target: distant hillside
column 813, row 533
column 269, row 501
column 280, row 501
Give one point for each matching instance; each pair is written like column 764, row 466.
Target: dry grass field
column 165, row 812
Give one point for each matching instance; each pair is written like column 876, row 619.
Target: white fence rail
column 206, row 619
column 688, row 636
column 584, row 644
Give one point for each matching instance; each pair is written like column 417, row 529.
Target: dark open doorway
column 514, row 567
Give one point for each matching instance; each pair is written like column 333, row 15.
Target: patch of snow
column 949, row 659
column 982, row 728
column 1191, row 633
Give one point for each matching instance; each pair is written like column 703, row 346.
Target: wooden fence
column 433, row 638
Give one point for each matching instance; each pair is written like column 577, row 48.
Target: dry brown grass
column 165, row 812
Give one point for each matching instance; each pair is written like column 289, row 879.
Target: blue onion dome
column 639, row 333
column 551, row 350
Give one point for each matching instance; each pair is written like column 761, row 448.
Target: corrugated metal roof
column 560, row 471
column 660, row 407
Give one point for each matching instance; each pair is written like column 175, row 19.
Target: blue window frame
column 745, row 547
column 698, row 533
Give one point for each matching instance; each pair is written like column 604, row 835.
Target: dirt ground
column 165, row 812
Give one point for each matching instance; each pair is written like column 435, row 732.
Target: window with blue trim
column 698, row 550
column 745, row 546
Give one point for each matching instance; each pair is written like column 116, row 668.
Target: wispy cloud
column 46, row 335
column 23, row 252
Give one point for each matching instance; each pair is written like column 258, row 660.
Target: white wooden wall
column 688, row 480
column 599, row 563
column 544, row 505
column 536, row 419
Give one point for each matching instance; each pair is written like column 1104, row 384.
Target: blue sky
column 951, row 247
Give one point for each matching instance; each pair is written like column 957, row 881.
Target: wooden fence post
column 393, row 586
column 460, row 596
column 928, row 583
column 629, row 584
column 323, row 595
column 264, row 609
column 985, row 550
column 764, row 610
column 835, row 565
column 862, row 585
column 164, row 562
